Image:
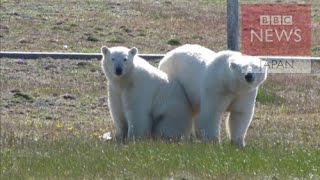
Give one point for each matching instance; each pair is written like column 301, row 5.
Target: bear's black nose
column 118, row 71
column 249, row 77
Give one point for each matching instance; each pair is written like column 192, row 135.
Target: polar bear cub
column 143, row 101
column 230, row 83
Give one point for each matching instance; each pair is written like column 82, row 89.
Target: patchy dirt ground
column 51, row 99
column 83, row 26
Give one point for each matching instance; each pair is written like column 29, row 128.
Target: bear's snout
column 118, row 71
column 249, row 77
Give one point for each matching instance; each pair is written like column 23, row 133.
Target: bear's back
column 145, row 69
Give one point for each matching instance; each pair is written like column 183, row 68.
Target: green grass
column 83, row 158
column 264, row 96
column 174, row 42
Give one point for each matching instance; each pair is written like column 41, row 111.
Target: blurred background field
column 151, row 26
column 53, row 111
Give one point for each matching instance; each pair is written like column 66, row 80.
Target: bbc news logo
column 277, row 30
column 275, row 34
column 274, row 29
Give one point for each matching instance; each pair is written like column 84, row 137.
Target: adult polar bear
column 143, row 101
column 217, row 82
column 187, row 64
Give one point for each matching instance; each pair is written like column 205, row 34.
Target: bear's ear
column 105, row 50
column 264, row 65
column 133, row 51
column 233, row 65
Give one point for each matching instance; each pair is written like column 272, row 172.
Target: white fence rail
column 59, row 55
column 149, row 57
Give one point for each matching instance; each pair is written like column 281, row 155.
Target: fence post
column 233, row 25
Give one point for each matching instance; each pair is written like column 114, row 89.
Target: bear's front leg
column 139, row 124
column 238, row 124
column 209, row 122
column 117, row 114
column 213, row 104
column 240, row 118
column 209, row 126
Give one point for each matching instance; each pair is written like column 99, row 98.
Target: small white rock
column 106, row 136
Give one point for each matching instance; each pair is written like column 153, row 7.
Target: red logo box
column 273, row 29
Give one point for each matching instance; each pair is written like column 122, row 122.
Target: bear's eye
column 125, row 59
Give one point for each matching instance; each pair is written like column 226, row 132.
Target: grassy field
column 53, row 111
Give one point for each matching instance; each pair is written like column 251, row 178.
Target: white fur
column 217, row 82
column 143, row 101
column 225, row 88
column 187, row 64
